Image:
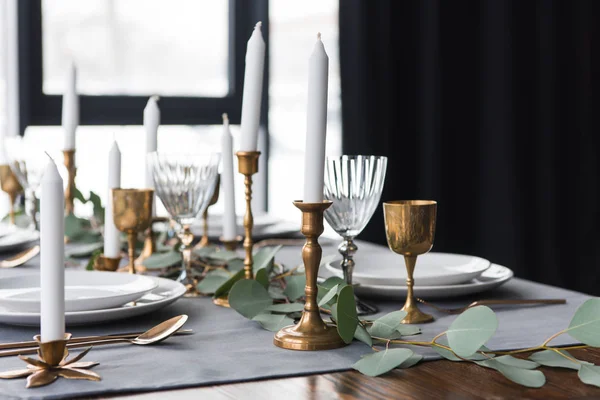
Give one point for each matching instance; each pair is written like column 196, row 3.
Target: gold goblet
column 11, row 186
column 132, row 213
column 213, row 200
column 410, row 229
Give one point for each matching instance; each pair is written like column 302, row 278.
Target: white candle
column 253, row 85
column 70, row 108
column 316, row 125
column 151, row 123
column 229, row 217
column 112, row 241
column 52, row 255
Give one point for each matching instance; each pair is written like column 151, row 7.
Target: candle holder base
column 52, row 364
column 231, row 245
column 103, row 263
column 316, row 338
column 222, row 301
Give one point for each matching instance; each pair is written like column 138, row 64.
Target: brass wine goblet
column 132, row 213
column 410, row 229
column 10, row 184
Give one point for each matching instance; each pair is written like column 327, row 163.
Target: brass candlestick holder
column 103, row 263
column 213, row 200
column 69, row 159
column 132, row 213
column 410, row 229
column 311, row 333
column 53, row 364
column 248, row 166
column 231, row 245
column 10, row 184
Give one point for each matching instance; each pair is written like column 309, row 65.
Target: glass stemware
column 185, row 184
column 354, row 184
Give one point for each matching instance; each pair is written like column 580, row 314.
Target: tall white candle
column 253, row 85
column 112, row 241
column 151, row 123
column 70, row 108
column 52, row 255
column 229, row 217
column 316, row 125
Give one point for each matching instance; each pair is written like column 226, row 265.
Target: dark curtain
column 490, row 108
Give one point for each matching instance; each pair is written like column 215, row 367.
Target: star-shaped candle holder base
column 53, row 364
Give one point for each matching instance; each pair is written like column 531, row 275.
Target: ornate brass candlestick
column 248, row 166
column 69, row 158
column 132, row 213
column 53, row 364
column 10, row 184
column 311, row 333
column 410, row 229
column 103, row 263
column 231, row 245
column 213, row 200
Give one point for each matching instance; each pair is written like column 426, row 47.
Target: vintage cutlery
column 493, row 302
column 154, row 335
column 20, row 258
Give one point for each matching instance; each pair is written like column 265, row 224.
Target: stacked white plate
column 90, row 297
column 12, row 238
column 437, row 275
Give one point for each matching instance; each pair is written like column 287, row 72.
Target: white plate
column 6, row 229
column 433, row 269
column 18, row 239
column 164, row 294
column 491, row 278
column 84, row 290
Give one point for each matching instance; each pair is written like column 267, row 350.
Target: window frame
column 38, row 108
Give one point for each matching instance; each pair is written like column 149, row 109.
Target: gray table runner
column 228, row 348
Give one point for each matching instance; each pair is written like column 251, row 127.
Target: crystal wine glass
column 185, row 184
column 354, row 184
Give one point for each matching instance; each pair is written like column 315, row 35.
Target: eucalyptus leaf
column 517, row 362
column 346, row 316
column 83, row 250
column 86, row 236
column 449, row 355
column 589, row 374
column 285, row 308
column 227, row 285
column 235, row 265
column 265, row 257
column 328, row 296
column 551, row 358
column 380, row 362
column 205, row 251
column 273, row 322
column 249, row 298
column 261, row 277
column 386, row 326
column 295, row 286
column 92, row 260
column 98, row 210
column 412, row 360
column 223, row 255
column 276, row 293
column 212, row 281
column 408, row 330
column 75, row 226
column 77, row 195
column 525, row 377
column 471, row 329
column 362, row 335
column 585, row 325
column 162, row 260
column 331, row 282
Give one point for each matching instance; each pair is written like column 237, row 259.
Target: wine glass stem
column 410, row 262
column 131, row 238
column 347, row 249
column 31, row 207
column 186, row 237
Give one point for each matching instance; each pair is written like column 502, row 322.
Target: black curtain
column 490, row 108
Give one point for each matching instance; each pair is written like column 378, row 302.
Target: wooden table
column 429, row 380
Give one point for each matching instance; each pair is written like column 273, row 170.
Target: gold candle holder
column 213, row 200
column 69, row 160
column 231, row 245
column 311, row 333
column 52, row 364
column 132, row 213
column 248, row 166
column 10, row 184
column 103, row 263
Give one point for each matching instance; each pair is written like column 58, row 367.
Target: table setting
column 129, row 301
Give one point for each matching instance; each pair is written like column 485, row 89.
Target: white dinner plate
column 6, row 229
column 18, row 239
column 491, row 278
column 433, row 269
column 84, row 290
column 164, row 294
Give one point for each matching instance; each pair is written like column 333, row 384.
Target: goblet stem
column 186, row 237
column 131, row 239
column 12, row 199
column 347, row 249
column 204, row 240
column 413, row 314
column 31, row 207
